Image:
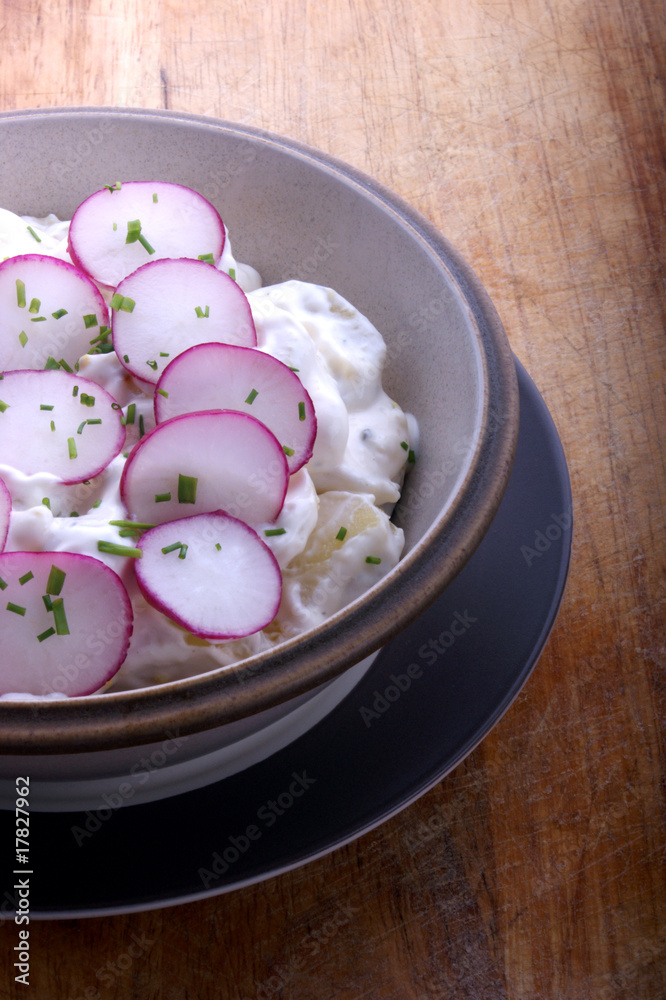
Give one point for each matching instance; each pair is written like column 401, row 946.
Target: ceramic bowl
column 292, row 212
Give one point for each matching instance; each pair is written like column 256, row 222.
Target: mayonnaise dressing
column 354, row 476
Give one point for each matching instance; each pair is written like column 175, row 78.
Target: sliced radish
column 220, row 376
column 166, row 306
column 202, row 462
column 5, row 513
column 48, row 309
column 158, row 218
column 65, row 621
column 51, row 421
column 210, row 573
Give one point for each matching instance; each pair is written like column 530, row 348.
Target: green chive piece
column 51, row 364
column 162, row 497
column 207, row 257
column 341, row 535
column 26, row 577
column 136, row 525
column 187, row 489
column 183, row 551
column 152, row 364
column 411, row 457
column 123, row 302
column 34, row 306
column 113, row 187
column 145, row 244
column 115, row 226
column 133, row 230
column 252, row 396
column 164, row 354
column 164, row 393
column 46, row 634
column 269, row 532
column 38, row 319
column 48, row 603
column 218, row 546
column 20, row 293
column 45, row 406
column 46, row 502
column 3, row 584
column 33, row 233
column 59, row 617
column 75, row 390
column 126, row 358
column 375, row 560
column 95, row 420
column 171, row 548
column 199, row 311
column 79, row 429
column 154, row 196
column 59, row 313
column 55, row 582
column 63, row 364
column 142, row 429
column 291, row 368
column 3, row 406
column 111, row 548
column 86, row 400
column 90, row 320
column 288, row 451
column 131, row 413
column 74, row 513
column 301, row 411
column 71, row 445
column 16, row 608
column 52, row 425
column 403, row 444
column 97, row 503
column 232, row 273
column 23, row 337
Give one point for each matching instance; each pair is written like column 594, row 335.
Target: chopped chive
column 341, row 534
column 164, row 354
column 133, row 230
column 163, row 392
column 16, row 608
column 86, row 400
column 74, row 513
column 131, row 413
column 75, row 390
column 38, row 319
column 113, row 187
column 162, row 497
column 183, row 551
column 152, row 364
column 291, row 368
column 218, row 546
column 59, row 313
column 95, row 420
column 33, row 233
column 20, row 293
column 89, row 320
column 154, row 196
column 136, row 525
column 171, row 548
column 52, row 425
column 97, row 503
column 142, row 429
column 207, row 257
column 3, row 584
column 403, row 444
column 411, row 457
column 116, row 406
column 46, row 502
column 145, row 244
column 23, row 337
column 269, row 532
column 115, row 226
column 232, row 273
column 51, row 364
column 3, row 406
column 301, row 411
column 55, row 582
column 122, row 302
column 79, row 429
column 34, row 306
column 46, row 634
column 199, row 311
column 26, row 577
column 252, row 396
column 119, row 550
column 71, row 445
column 59, row 617
column 63, row 364
column 375, row 560
column 45, row 406
column 126, row 359
column 48, row 603
column 288, row 451
column 187, row 489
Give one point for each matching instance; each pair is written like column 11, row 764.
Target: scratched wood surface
column 531, row 133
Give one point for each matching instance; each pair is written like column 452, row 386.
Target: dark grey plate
column 430, row 697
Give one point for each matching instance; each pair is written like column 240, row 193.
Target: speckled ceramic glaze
column 292, row 212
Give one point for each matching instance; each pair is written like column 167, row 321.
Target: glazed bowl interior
column 293, row 212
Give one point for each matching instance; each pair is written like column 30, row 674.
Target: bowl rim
column 227, row 694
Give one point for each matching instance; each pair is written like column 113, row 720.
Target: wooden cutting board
column 532, row 134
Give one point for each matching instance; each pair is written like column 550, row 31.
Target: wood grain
column 532, row 134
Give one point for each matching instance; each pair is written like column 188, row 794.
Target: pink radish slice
column 220, row 376
column 169, row 220
column 202, row 462
column 65, row 621
column 5, row 513
column 48, row 308
column 51, row 421
column 176, row 304
column 212, row 574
